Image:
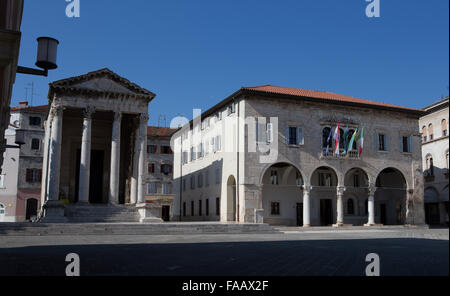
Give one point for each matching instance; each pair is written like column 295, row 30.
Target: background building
column 20, row 182
column 10, row 21
column 160, row 169
column 267, row 154
column 435, row 146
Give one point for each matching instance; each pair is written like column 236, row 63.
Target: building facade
column 160, row 170
column 435, row 150
column 10, row 22
column 272, row 154
column 20, row 182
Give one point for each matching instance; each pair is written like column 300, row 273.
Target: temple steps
column 187, row 228
column 101, row 214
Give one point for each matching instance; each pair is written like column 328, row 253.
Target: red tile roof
column 319, row 95
column 43, row 108
column 155, row 131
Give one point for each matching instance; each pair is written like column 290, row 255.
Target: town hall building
column 287, row 156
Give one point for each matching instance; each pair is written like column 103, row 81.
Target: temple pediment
column 101, row 81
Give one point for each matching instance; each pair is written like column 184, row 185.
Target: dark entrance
column 299, row 214
column 432, row 214
column 383, row 217
column 326, row 212
column 166, row 213
column 95, row 176
column 32, row 205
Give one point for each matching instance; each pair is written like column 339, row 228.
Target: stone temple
column 95, row 150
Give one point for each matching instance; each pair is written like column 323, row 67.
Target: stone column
column 44, row 183
column 371, row 206
column 55, row 153
column 142, row 158
column 115, row 160
column 53, row 208
column 307, row 206
column 134, row 177
column 340, row 207
column 85, row 162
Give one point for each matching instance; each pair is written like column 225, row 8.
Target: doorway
column 165, row 215
column 299, row 214
column 95, row 176
column 432, row 214
column 383, row 216
column 326, row 212
column 31, row 211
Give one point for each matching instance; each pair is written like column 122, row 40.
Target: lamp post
column 20, row 140
column 46, row 57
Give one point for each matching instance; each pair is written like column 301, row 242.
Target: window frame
column 275, row 208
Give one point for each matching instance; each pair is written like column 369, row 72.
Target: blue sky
column 193, row 54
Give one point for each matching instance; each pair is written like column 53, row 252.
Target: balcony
column 354, row 155
column 429, row 176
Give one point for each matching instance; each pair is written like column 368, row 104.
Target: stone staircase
column 187, row 228
column 101, row 214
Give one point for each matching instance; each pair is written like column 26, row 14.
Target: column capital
column 88, row 111
column 372, row 189
column 117, row 115
column 341, row 190
column 144, row 118
column 307, row 188
column 56, row 110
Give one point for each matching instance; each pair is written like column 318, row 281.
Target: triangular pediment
column 101, row 81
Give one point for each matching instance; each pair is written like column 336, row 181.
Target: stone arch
column 282, row 200
column 390, row 197
column 269, row 166
column 314, row 178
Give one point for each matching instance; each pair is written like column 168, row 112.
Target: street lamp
column 46, row 57
column 20, row 140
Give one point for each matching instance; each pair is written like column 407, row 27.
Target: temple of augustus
column 95, row 150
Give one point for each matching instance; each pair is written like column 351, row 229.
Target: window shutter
column 400, row 142
column 387, row 142
column 410, row 144
column 301, row 137
column 377, row 141
column 39, row 176
column 269, row 136
column 286, row 135
column 28, row 177
column 262, row 133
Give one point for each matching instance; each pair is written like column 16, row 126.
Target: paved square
column 324, row 253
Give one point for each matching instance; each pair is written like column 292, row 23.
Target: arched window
column 424, row 133
column 444, row 128
column 274, row 177
column 430, row 165
column 350, row 207
column 431, row 132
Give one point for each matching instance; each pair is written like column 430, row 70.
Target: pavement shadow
column 398, row 257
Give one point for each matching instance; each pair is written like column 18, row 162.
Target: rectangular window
column 200, row 181
column 231, row 109
column 207, row 178
column 192, row 182
column 35, row 121
column 34, row 175
column 193, row 154
column 151, row 168
column 166, row 169
column 166, row 150
column 292, row 135
column 184, row 209
column 382, row 142
column 207, row 207
column 2, row 182
column 275, row 208
column 192, row 209
column 218, row 176
column 406, row 144
column 200, row 213
column 356, row 181
column 217, row 206
column 167, row 188
column 152, row 149
column 200, row 150
column 151, row 188
column 325, row 179
column 274, row 177
column 35, row 144
column 218, row 143
column 185, row 157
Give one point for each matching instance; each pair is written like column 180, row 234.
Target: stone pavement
column 315, row 252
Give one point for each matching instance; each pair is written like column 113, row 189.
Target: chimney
column 23, row 105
